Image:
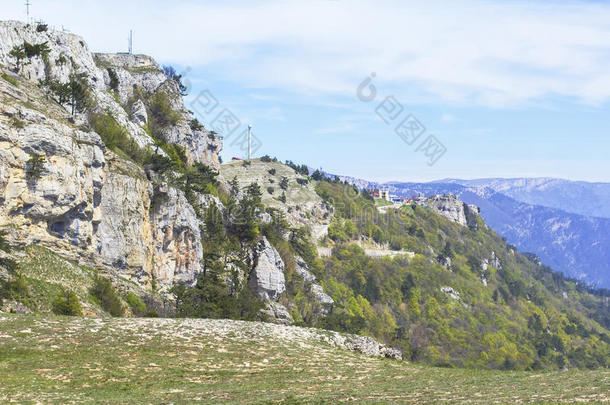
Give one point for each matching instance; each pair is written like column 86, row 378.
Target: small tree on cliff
column 35, row 166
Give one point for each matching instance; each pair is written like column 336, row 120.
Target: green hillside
column 518, row 315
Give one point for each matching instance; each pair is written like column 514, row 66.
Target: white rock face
column 316, row 289
column 63, row 203
column 68, row 54
column 139, row 114
column 85, row 206
column 267, row 277
column 87, row 203
column 453, row 209
column 445, row 262
column 453, row 294
column 176, row 239
column 143, row 73
column 495, row 261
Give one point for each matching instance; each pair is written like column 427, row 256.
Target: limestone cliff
column 85, row 201
column 453, row 209
column 63, row 187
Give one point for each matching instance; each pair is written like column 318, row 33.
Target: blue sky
column 511, row 89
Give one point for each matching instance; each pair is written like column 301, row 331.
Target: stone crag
column 454, row 209
column 86, row 202
column 90, row 203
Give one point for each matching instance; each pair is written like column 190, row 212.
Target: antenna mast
column 249, row 141
column 27, row 9
column 130, row 42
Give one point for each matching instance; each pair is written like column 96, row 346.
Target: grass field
column 66, row 360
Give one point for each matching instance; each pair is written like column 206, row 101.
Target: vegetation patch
column 10, row 79
column 67, row 303
column 107, row 296
column 35, row 166
column 117, row 139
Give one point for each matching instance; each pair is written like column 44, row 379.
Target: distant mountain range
column 578, row 197
column 565, row 223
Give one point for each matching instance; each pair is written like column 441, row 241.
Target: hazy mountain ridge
column 578, row 197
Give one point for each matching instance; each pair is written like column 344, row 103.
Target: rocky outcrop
column 315, row 289
column 139, row 114
column 444, row 261
column 455, row 210
column 175, row 238
column 267, row 276
column 362, row 344
column 268, row 282
column 117, row 83
column 494, row 262
column 61, row 200
column 136, row 80
column 86, row 203
column 277, row 313
column 453, row 294
column 82, row 200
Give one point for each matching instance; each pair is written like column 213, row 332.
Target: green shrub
column 27, row 50
column 4, row 246
column 18, row 53
column 17, row 123
column 40, row 27
column 176, row 153
column 270, row 190
column 35, row 166
column 32, row 50
column 67, row 303
column 16, row 287
column 284, row 183
column 10, row 79
column 267, row 159
column 74, row 93
column 272, row 172
column 6, row 262
column 135, row 303
column 301, row 169
column 107, row 296
column 171, row 73
column 162, row 115
column 114, row 79
column 195, row 125
column 116, row 138
column 198, row 178
column 211, row 298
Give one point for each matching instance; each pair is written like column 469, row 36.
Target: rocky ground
column 67, row 360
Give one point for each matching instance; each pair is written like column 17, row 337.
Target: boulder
column 267, row 276
column 277, row 313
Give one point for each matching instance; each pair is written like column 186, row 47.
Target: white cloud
column 465, row 52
